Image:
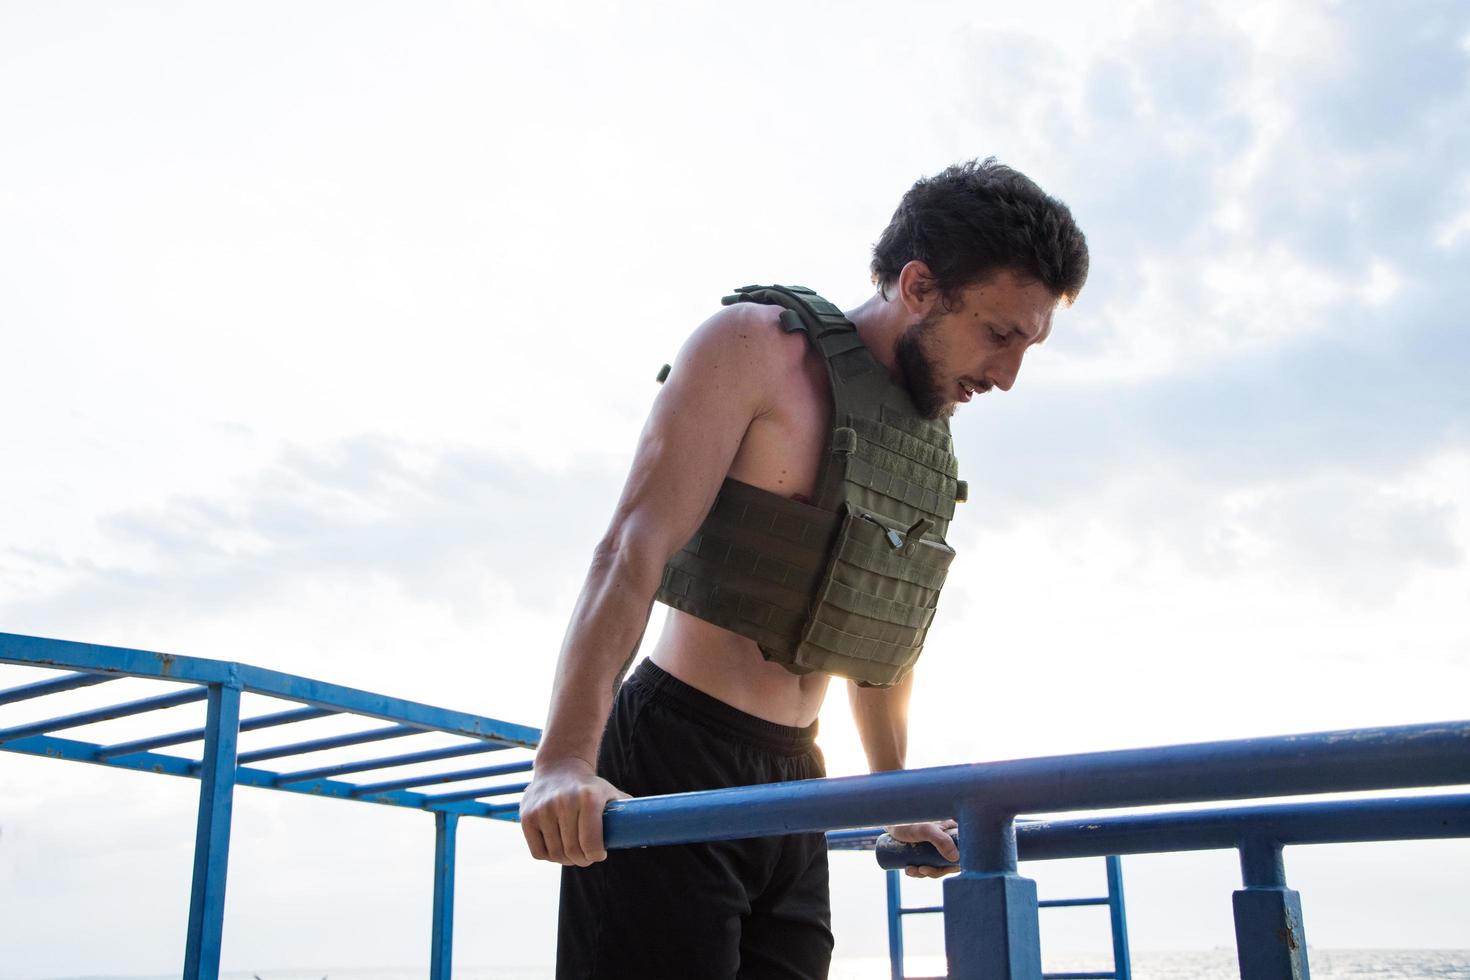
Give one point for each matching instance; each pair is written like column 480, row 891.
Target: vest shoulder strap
column 830, row 334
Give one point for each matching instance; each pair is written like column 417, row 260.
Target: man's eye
column 999, row 338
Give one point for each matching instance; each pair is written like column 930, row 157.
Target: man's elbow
column 630, row 559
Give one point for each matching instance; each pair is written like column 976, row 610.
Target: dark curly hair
column 978, row 218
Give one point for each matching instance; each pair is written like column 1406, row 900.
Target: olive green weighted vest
column 849, row 583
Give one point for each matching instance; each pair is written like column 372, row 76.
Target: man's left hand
column 929, row 833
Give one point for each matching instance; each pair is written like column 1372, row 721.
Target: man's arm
column 882, row 717
column 720, row 383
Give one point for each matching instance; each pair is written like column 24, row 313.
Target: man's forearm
column 602, row 638
column 882, row 718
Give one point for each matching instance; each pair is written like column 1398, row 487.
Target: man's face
column 949, row 356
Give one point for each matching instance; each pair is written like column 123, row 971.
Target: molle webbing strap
column 753, row 565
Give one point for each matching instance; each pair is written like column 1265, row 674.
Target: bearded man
column 788, row 499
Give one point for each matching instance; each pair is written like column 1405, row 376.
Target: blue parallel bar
column 445, row 777
column 212, row 838
column 1323, row 762
column 54, row 686
column 16, row 648
column 446, row 830
column 1062, row 903
column 1118, row 919
column 195, row 734
column 895, row 925
column 1079, row 976
column 920, row 909
column 475, row 794
column 334, row 742
column 108, row 713
column 388, row 762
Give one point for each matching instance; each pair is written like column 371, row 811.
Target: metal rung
column 1079, row 976
column 475, row 794
column 54, row 686
column 321, row 744
column 105, row 714
column 444, row 777
column 1060, row 903
column 921, row 909
column 389, row 762
column 194, row 735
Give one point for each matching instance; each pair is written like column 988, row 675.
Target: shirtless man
column 968, row 274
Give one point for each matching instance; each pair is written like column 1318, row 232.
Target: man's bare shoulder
column 743, row 343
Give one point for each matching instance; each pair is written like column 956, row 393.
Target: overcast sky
column 327, row 331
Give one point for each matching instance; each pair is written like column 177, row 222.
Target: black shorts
column 747, row 909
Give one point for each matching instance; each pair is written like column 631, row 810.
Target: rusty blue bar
column 484, row 772
column 54, row 686
column 477, row 793
column 389, row 762
column 108, row 713
column 212, row 836
column 195, row 734
column 334, row 742
column 446, row 832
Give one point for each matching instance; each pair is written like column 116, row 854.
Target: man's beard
column 919, row 374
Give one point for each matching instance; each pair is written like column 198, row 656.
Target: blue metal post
column 991, row 927
column 212, row 837
column 446, row 829
column 895, row 925
column 1118, row 913
column 1270, row 941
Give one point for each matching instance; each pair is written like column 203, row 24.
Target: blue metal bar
column 42, row 652
column 445, row 777
column 334, row 742
column 1105, row 975
column 389, row 762
column 920, row 909
column 1325, row 762
column 195, row 734
column 446, row 830
column 157, row 703
column 1270, row 938
column 47, row 746
column 895, row 925
column 475, row 794
column 1066, row 903
column 212, row 838
column 1325, row 822
column 1118, row 919
column 54, row 686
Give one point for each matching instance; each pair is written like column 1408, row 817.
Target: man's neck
column 879, row 323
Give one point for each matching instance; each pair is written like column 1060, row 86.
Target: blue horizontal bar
column 334, row 742
column 157, row 703
column 475, row 794
column 1322, row 762
column 1079, row 976
column 38, row 651
column 921, row 909
column 392, row 761
column 195, row 734
column 1321, row 822
column 49, row 746
column 853, row 840
column 445, row 777
column 1062, row 903
column 54, row 686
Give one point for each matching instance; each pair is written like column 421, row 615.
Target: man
column 968, row 274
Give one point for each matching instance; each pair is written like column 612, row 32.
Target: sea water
column 1217, row 964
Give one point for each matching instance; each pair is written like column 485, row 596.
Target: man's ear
column 917, row 289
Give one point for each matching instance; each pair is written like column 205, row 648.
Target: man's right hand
column 561, row 813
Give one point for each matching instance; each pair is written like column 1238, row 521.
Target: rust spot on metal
column 166, row 663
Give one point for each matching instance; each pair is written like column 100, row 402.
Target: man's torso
column 780, row 452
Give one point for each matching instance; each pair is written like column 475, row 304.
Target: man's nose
column 1003, row 373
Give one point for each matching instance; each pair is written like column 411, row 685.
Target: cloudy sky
column 327, row 330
